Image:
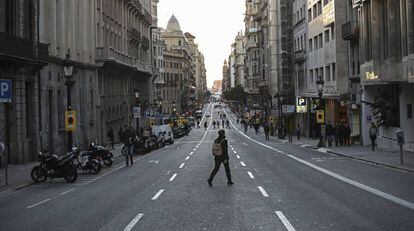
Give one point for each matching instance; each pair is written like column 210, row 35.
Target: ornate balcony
column 300, row 56
column 350, row 30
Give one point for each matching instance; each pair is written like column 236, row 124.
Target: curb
column 365, row 160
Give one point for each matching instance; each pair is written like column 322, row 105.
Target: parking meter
column 400, row 137
column 401, row 142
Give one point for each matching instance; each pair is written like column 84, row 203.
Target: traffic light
column 320, row 116
column 70, row 121
column 152, row 123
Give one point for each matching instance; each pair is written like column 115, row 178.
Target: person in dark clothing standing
column 373, row 131
column 266, row 131
column 111, row 137
column 347, row 135
column 127, row 137
column 298, row 131
column 223, row 158
column 120, row 133
column 341, row 134
column 336, row 134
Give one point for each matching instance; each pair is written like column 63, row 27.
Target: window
column 325, row 2
column 316, row 74
column 333, row 72
column 310, row 45
column 315, row 42
column 311, row 75
column 319, row 5
column 320, row 40
column 315, row 13
column 409, row 111
column 309, row 15
column 326, row 36
column 328, row 73
column 321, row 73
column 332, row 31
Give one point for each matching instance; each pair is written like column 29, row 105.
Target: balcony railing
column 350, row 30
column 22, row 48
column 300, row 56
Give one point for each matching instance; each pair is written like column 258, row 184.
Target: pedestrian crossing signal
column 320, row 116
column 70, row 121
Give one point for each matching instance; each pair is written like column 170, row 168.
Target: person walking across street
column 111, row 137
column 221, row 155
column 373, row 131
column 228, row 124
column 205, row 125
column 222, row 123
column 214, row 124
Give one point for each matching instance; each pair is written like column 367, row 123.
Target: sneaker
column 210, row 183
column 230, row 183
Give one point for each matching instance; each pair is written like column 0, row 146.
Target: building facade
column 22, row 56
column 240, row 53
column 387, row 69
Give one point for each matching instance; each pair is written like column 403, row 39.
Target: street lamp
column 280, row 100
column 68, row 66
column 160, row 110
column 174, row 111
column 136, row 94
column 320, row 83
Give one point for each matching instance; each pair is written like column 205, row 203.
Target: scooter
column 101, row 153
column 85, row 162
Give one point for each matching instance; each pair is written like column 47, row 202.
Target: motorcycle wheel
column 71, row 174
column 38, row 174
column 95, row 167
column 108, row 162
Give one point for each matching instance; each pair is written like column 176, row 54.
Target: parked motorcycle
column 85, row 162
column 161, row 140
column 53, row 166
column 101, row 153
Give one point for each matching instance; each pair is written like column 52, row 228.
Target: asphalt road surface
column 278, row 186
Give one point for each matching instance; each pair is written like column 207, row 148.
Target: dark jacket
column 224, row 148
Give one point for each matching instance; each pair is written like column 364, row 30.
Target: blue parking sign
column 6, row 90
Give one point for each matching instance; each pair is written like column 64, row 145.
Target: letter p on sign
column 6, row 90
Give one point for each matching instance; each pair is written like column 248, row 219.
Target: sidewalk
column 385, row 157
column 19, row 175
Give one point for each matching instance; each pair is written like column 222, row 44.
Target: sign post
column 3, row 150
column 401, row 142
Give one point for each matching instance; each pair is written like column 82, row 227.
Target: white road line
column 173, row 177
column 158, row 194
column 235, row 152
column 242, row 163
column 245, row 144
column 194, row 149
column 182, row 165
column 191, row 153
column 238, row 157
column 374, row 191
column 67, row 191
column 188, row 157
column 38, row 203
column 133, row 222
column 251, row 175
column 263, row 191
column 285, row 221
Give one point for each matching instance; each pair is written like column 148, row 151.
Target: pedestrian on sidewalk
column 373, row 131
column 336, row 135
column 228, row 123
column 222, row 157
column 205, row 125
column 120, row 133
column 329, row 133
column 347, row 134
column 341, row 134
column 266, row 131
column 222, row 123
column 111, row 137
column 245, row 126
column 298, row 131
column 238, row 121
column 214, row 124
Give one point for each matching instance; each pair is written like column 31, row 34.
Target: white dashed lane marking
column 134, row 222
column 264, row 193
column 182, row 165
column 251, row 175
column 173, row 177
column 158, row 194
column 242, row 163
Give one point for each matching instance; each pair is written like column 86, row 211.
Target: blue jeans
column 129, row 157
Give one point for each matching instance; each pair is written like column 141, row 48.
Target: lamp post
column 136, row 94
column 160, row 110
column 280, row 114
column 320, row 83
column 68, row 65
column 174, row 111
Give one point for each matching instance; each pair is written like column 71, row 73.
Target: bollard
column 401, row 142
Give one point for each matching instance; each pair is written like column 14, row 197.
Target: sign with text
column 288, row 109
column 6, row 90
column 137, row 112
column 301, row 105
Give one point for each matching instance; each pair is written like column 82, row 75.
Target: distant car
column 169, row 135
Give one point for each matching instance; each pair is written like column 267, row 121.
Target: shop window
column 409, row 111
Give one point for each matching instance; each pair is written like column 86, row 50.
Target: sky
column 214, row 23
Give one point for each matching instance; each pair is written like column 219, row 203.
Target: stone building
column 386, row 38
column 123, row 56
column 22, row 56
column 327, row 57
column 179, row 90
column 226, row 83
column 65, row 27
column 240, row 53
column 200, row 69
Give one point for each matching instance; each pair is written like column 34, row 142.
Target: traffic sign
column 70, row 121
column 137, row 112
column 320, row 116
column 6, row 90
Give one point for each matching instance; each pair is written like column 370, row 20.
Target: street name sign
column 6, row 90
column 137, row 112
